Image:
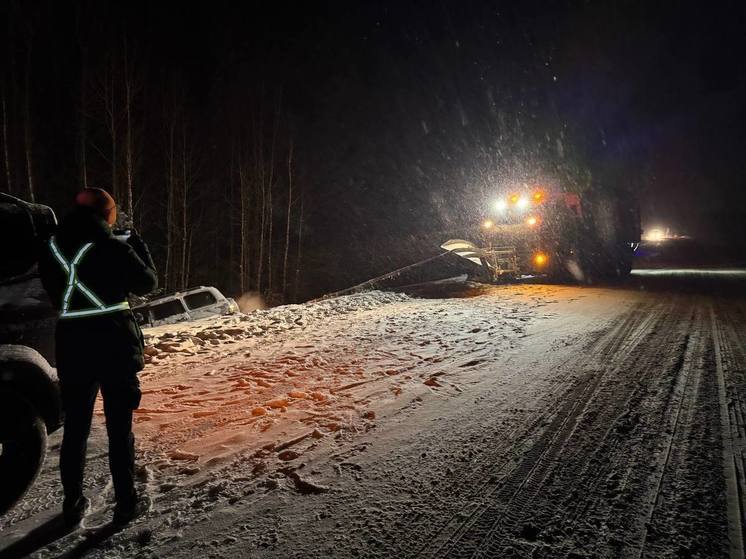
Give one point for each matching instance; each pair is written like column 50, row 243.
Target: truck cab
column 30, row 407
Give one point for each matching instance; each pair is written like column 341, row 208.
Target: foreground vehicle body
column 183, row 306
column 559, row 234
column 29, row 396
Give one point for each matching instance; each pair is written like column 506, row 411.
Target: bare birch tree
column 287, row 221
column 111, row 112
column 260, row 174
column 83, row 103
column 170, row 199
column 129, row 92
column 298, row 249
column 243, row 193
column 27, row 125
column 6, row 150
column 186, row 184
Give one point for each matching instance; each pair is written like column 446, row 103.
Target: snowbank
column 202, row 336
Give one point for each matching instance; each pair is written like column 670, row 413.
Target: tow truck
column 535, row 230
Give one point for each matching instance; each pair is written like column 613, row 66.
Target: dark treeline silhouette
column 91, row 96
column 296, row 148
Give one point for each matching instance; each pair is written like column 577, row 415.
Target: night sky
column 407, row 116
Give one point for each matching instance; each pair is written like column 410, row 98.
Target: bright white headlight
column 501, row 205
column 522, row 203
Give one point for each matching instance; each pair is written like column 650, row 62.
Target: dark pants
column 121, row 394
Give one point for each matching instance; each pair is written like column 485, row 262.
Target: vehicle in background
column 30, row 406
column 183, row 306
column 581, row 236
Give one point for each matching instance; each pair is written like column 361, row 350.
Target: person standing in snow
column 89, row 274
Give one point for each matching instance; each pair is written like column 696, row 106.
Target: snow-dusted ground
column 527, row 421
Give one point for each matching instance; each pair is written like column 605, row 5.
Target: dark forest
column 292, row 149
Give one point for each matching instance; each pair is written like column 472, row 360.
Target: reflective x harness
column 73, row 283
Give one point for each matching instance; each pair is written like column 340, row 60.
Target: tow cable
column 372, row 282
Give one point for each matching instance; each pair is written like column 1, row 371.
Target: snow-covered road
column 526, row 421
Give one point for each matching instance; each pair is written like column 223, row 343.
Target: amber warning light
column 540, row 259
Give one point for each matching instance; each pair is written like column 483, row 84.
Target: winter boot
column 75, row 511
column 124, row 513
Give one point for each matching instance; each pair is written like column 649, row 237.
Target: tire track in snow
column 693, row 349
column 512, row 505
column 733, row 439
column 483, row 474
column 620, row 338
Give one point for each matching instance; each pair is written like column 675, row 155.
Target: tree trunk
column 242, row 260
column 128, row 140
column 270, row 186
column 287, row 224
column 83, row 108
column 298, row 253
column 27, row 132
column 84, row 122
column 185, row 177
column 189, row 258
column 110, row 101
column 6, row 151
column 169, row 206
column 259, row 165
column 262, row 226
column 270, row 219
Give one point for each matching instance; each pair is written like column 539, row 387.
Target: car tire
column 23, row 436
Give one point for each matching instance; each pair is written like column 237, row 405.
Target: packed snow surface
column 526, row 421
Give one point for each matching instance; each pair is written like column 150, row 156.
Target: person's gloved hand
column 140, row 248
column 135, row 240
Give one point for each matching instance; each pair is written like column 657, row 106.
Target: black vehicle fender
column 25, row 371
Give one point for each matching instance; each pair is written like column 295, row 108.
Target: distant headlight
column 655, row 235
column 501, row 205
column 522, row 203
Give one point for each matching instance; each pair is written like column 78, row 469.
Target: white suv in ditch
column 183, row 306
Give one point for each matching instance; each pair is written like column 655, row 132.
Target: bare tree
column 170, row 199
column 27, row 126
column 180, row 177
column 186, row 184
column 244, row 216
column 112, row 121
column 6, row 151
column 83, row 125
column 287, row 222
column 260, row 174
column 230, row 222
column 298, row 249
column 83, row 104
column 129, row 92
column 270, row 186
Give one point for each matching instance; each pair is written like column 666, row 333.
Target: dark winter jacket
column 112, row 270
